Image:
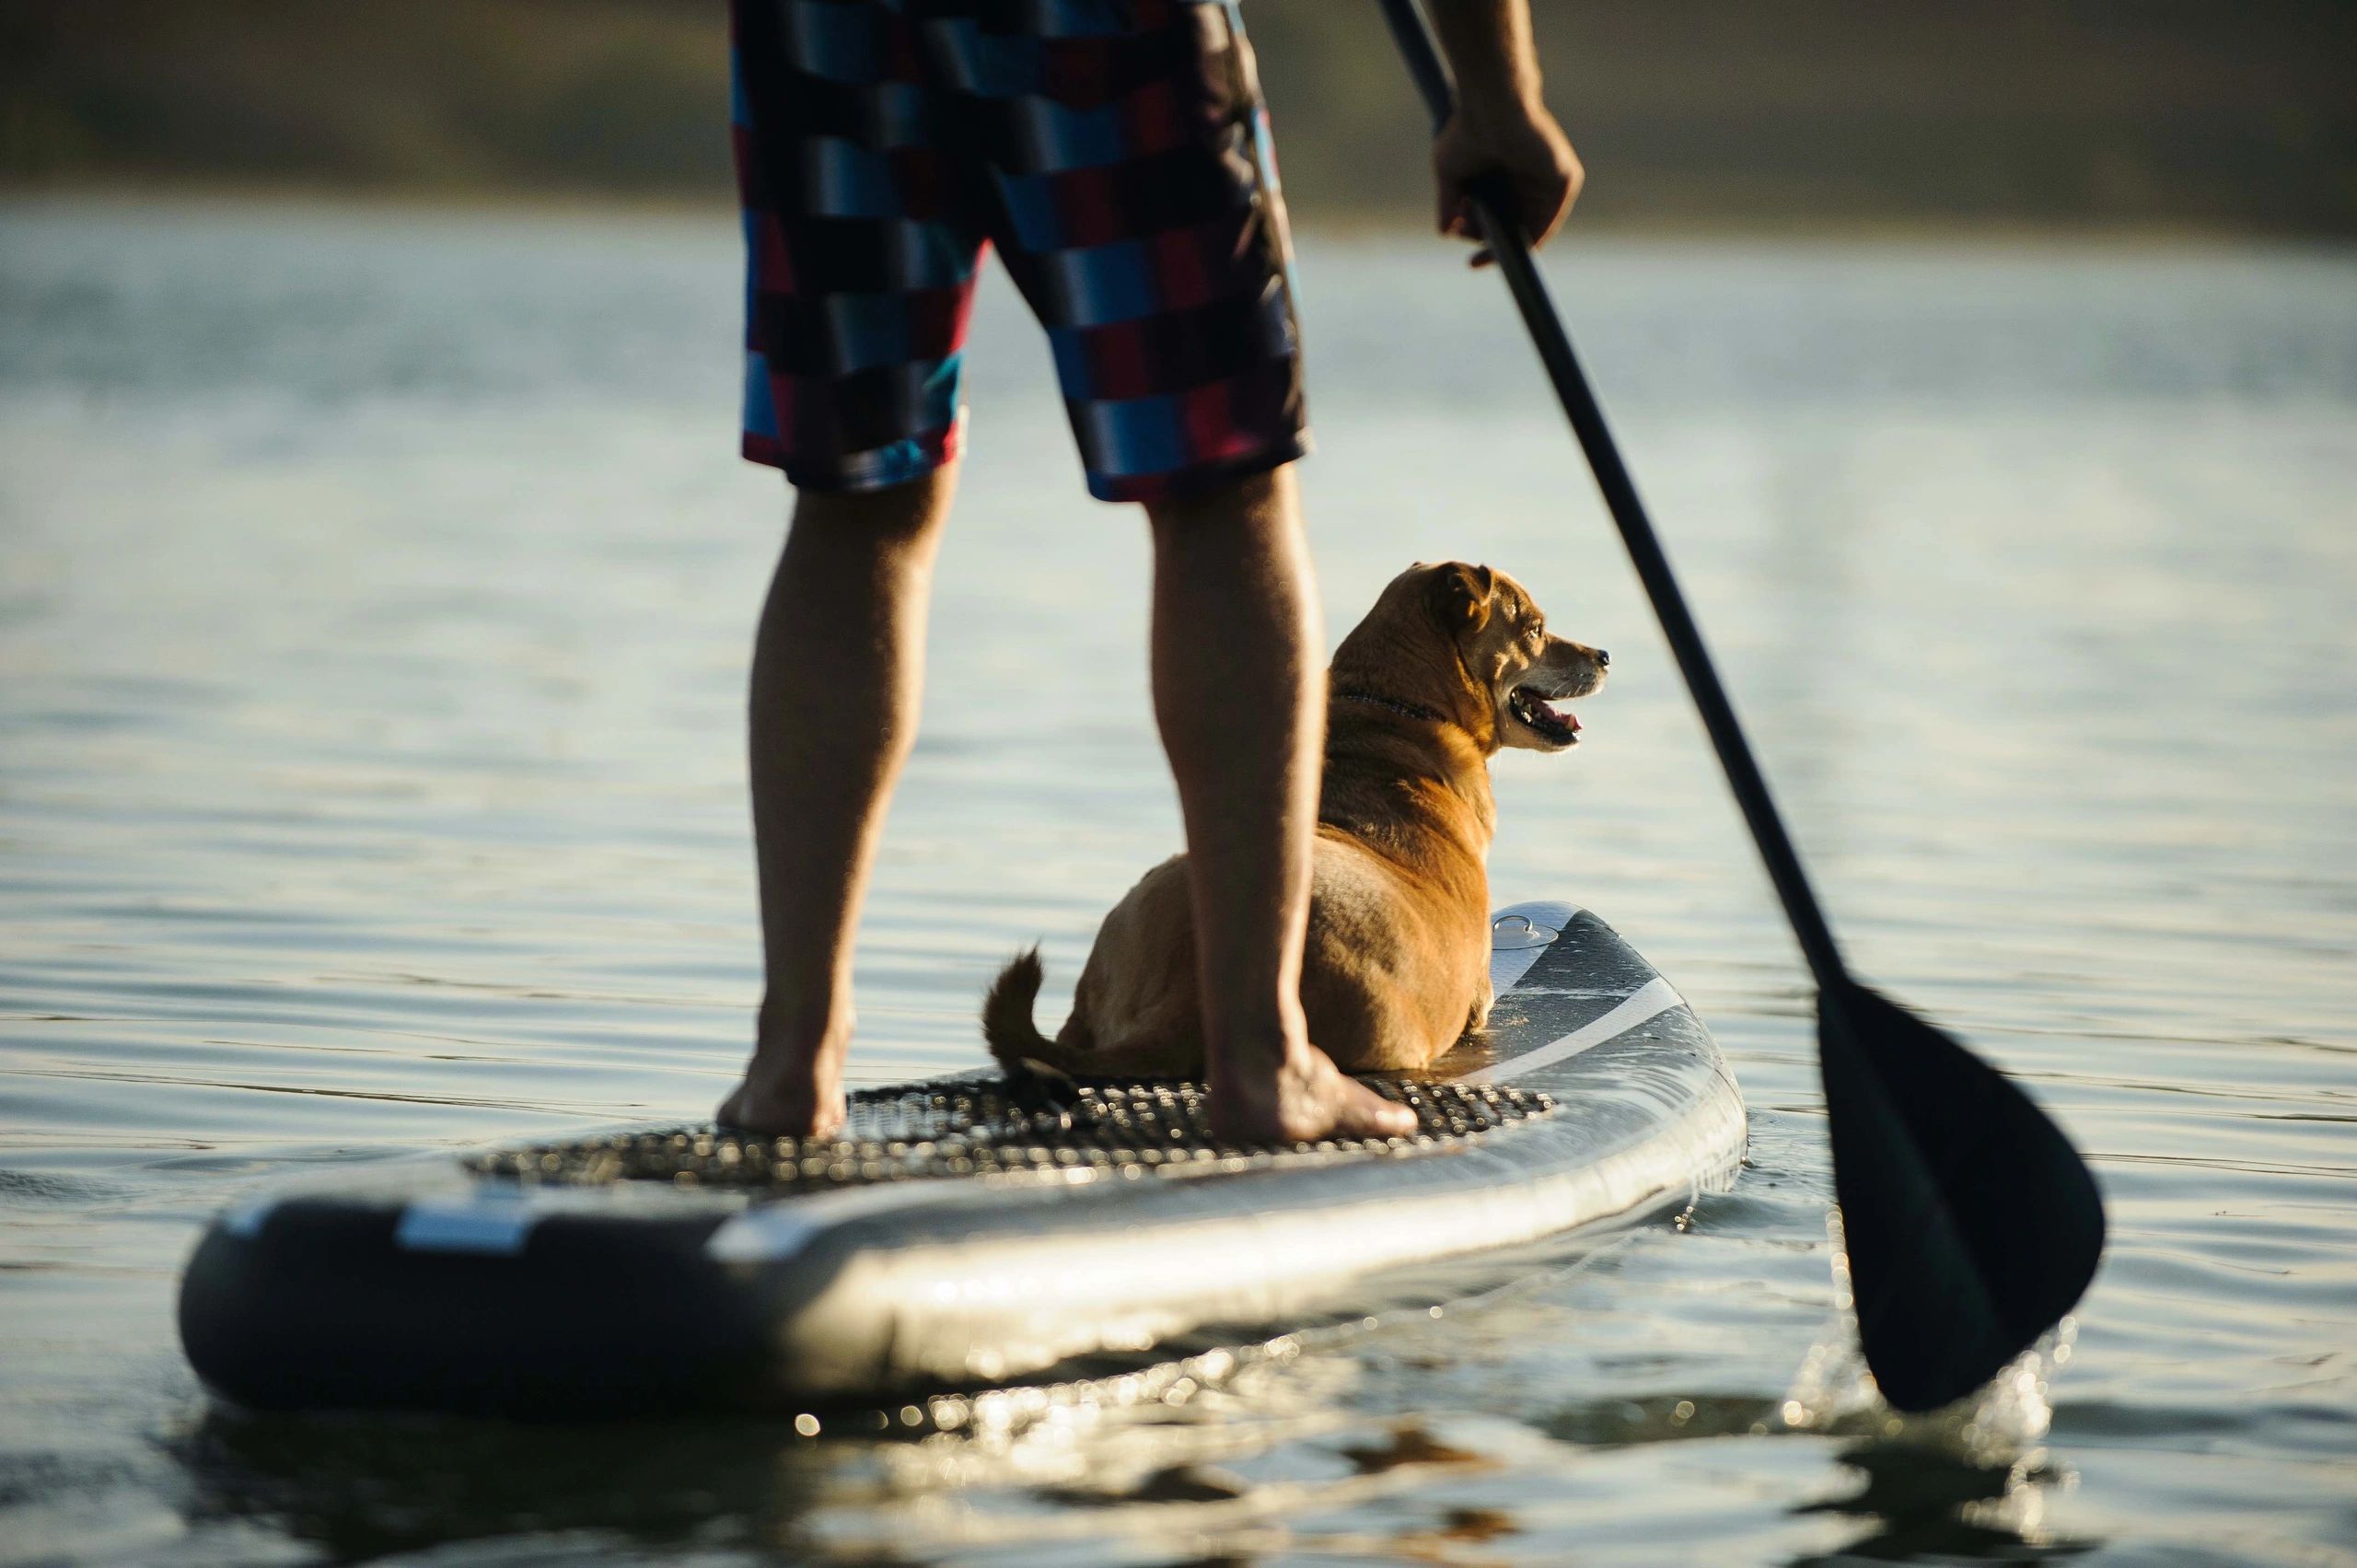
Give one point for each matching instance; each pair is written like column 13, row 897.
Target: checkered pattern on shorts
column 1117, row 153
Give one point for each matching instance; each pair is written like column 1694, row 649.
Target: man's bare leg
column 1239, row 689
column 838, row 670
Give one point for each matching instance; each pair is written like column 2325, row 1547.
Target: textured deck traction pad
column 993, row 1126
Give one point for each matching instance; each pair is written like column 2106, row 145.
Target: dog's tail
column 1014, row 1038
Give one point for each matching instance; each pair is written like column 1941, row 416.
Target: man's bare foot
column 789, row 1092
column 1306, row 1098
column 804, row 1111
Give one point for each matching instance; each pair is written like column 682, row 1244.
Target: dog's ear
column 1460, row 596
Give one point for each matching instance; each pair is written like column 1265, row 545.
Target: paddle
column 1970, row 1222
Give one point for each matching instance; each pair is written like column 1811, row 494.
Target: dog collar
column 1413, row 710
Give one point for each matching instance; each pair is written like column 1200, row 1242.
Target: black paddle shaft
column 1513, row 253
column 1970, row 1224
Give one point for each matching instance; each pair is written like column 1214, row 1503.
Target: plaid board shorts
column 1115, row 152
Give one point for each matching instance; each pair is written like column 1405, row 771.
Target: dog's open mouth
column 1542, row 715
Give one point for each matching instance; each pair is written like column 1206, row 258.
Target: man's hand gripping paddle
column 1972, row 1226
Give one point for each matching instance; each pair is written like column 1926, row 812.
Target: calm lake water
column 374, row 592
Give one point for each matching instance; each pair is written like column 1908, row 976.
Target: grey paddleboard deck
column 966, row 1231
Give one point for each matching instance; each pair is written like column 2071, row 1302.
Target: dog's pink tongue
column 1569, row 717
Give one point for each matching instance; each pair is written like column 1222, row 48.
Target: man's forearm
column 1491, row 52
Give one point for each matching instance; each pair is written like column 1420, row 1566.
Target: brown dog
column 1453, row 663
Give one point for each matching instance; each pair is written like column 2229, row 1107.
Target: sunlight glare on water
column 375, row 594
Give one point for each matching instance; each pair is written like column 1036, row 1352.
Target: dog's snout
column 1603, row 659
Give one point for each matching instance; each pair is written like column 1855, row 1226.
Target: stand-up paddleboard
column 966, row 1230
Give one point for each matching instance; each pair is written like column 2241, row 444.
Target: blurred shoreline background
column 2083, row 116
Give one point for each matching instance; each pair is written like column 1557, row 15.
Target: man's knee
column 1254, row 503
column 897, row 521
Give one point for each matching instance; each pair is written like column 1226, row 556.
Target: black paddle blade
column 1972, row 1224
